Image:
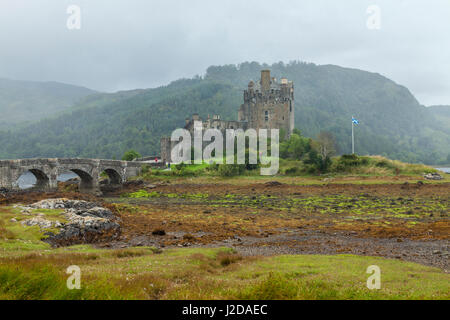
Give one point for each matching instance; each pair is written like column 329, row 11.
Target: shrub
column 293, row 171
column 226, row 259
column 315, row 163
column 213, row 167
column 230, row 170
column 128, row 253
column 130, row 155
column 348, row 161
column 274, row 287
column 146, row 169
column 180, row 166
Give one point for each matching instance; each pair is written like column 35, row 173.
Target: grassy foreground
column 147, row 273
column 31, row 269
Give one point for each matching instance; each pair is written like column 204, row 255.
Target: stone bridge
column 47, row 171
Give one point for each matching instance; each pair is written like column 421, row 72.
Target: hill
column 23, row 101
column 442, row 114
column 392, row 121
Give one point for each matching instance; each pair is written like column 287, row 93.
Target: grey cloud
column 138, row 43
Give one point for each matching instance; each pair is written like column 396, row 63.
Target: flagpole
column 353, row 138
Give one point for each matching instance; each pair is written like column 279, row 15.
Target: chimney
column 265, row 80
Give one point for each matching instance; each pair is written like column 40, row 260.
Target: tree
column 296, row 147
column 130, row 155
column 316, row 162
column 325, row 144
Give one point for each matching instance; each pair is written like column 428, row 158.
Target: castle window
column 266, row 115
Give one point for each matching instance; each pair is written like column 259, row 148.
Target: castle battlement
column 273, row 90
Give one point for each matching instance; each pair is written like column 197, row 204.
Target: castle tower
column 265, row 81
column 269, row 104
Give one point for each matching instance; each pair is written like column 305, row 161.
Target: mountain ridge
column 27, row 101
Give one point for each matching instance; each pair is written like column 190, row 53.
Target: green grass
column 348, row 164
column 30, row 269
column 145, row 194
column 15, row 236
column 212, row 273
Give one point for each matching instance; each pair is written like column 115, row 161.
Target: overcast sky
column 127, row 44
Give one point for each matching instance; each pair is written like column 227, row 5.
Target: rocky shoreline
column 85, row 222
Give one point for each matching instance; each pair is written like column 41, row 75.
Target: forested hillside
column 136, row 122
column 441, row 113
column 392, row 122
column 23, row 101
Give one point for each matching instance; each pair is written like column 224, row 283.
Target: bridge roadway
column 46, row 172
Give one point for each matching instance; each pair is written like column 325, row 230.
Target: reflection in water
column 28, row 180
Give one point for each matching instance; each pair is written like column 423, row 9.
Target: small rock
column 159, row 232
column 273, row 183
column 13, row 220
column 38, row 221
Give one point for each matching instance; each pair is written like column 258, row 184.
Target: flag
column 355, row 121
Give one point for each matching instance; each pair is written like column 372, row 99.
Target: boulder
column 86, row 222
column 433, row 176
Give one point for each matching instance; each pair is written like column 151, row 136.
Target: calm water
column 446, row 170
column 27, row 180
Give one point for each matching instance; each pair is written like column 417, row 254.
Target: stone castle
column 268, row 104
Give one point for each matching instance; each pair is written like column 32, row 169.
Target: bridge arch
column 86, row 180
column 42, row 182
column 114, row 177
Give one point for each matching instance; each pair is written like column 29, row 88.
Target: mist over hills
column 24, row 101
column 392, row 122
